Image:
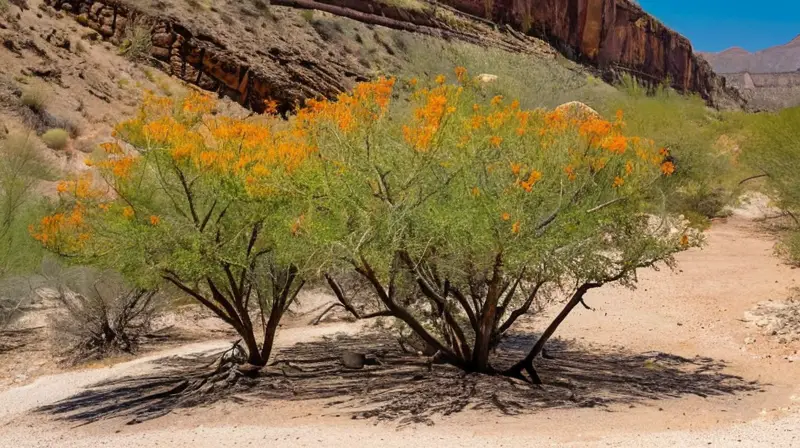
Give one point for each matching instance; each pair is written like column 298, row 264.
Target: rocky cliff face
column 767, row 91
column 614, row 36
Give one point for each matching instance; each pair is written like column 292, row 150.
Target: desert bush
column 98, row 315
column 56, row 138
column 137, row 39
column 705, row 176
column 20, row 172
column 769, row 148
column 4, row 6
column 465, row 213
column 35, row 98
column 203, row 206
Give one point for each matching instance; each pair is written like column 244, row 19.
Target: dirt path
column 694, row 311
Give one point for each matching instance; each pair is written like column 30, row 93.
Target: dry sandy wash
column 671, row 364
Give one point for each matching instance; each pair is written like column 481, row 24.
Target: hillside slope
column 777, row 59
column 613, row 36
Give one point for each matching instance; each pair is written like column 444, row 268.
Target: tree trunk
column 527, row 363
column 269, row 334
column 253, row 353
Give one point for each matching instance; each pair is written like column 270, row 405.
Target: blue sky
column 714, row 25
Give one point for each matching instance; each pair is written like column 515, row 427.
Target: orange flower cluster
column 429, row 116
column 62, row 232
column 350, row 110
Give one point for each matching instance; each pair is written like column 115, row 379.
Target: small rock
column 750, row 341
column 486, row 78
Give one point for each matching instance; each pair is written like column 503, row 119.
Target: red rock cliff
column 613, row 35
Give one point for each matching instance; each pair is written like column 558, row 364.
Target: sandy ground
column 695, row 310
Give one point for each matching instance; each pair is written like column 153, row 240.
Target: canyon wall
column 612, row 35
column 767, row 91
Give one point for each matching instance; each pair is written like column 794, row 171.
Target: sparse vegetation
column 20, row 172
column 137, row 39
column 98, row 314
column 705, row 172
column 56, row 138
column 35, row 97
column 770, row 150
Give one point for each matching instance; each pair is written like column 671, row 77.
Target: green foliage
column 21, row 170
column 137, row 40
column 307, row 15
column 459, row 194
column 705, row 171
column 35, row 98
column 4, row 6
column 56, row 138
column 770, row 147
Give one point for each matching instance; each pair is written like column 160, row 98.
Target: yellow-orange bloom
column 495, row 141
column 440, row 79
column 461, row 72
column 154, row 220
column 684, row 240
column 505, row 216
column 497, row 100
column 618, row 182
column 475, row 192
column 667, row 168
column 128, row 212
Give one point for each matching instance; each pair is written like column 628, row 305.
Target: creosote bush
column 461, row 213
column 35, row 98
column 56, row 138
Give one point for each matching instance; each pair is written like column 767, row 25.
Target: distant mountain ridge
column 779, row 59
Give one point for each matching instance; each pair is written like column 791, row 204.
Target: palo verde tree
column 464, row 213
column 199, row 201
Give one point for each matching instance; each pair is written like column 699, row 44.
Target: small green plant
column 148, row 73
column 308, row 15
column 56, row 138
column 4, row 6
column 35, row 98
column 138, row 41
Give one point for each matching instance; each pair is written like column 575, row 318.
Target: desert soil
column 696, row 312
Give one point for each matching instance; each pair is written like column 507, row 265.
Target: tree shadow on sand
column 408, row 389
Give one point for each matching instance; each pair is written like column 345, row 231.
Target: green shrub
column 56, row 138
column 20, row 172
column 770, row 148
column 4, row 6
column 36, row 98
column 689, row 131
column 137, row 40
column 307, row 15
